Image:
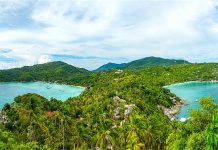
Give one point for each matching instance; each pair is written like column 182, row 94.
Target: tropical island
column 124, row 106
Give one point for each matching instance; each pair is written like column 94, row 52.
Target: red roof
column 51, row 113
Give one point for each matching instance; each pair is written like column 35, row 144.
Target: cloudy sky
column 89, row 33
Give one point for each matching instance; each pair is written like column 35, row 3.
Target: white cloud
column 44, row 59
column 11, row 5
column 110, row 28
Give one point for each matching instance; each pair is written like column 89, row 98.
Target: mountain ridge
column 139, row 63
column 57, row 71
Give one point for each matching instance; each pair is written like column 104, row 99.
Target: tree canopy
column 118, row 110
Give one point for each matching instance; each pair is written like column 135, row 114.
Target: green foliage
column 50, row 72
column 118, row 110
column 140, row 63
column 201, row 130
column 111, row 66
column 212, row 132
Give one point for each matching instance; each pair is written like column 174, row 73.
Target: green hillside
column 119, row 110
column 140, row 63
column 53, row 71
column 111, row 66
column 154, row 61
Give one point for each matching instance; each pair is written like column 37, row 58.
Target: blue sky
column 89, row 33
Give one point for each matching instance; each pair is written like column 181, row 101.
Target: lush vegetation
column 52, row 72
column 140, row 63
column 118, row 110
column 110, row 66
column 201, row 130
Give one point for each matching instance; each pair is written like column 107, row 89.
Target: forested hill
column 111, row 66
column 145, row 62
column 121, row 110
column 53, row 71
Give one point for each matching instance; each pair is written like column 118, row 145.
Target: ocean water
column 9, row 90
column 192, row 91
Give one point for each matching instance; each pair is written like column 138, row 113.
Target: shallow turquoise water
column 191, row 91
column 9, row 90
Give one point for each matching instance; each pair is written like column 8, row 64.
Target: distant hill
column 148, row 61
column 111, row 66
column 53, row 71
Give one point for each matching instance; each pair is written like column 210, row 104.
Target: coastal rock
column 171, row 112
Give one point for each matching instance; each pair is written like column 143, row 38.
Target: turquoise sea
column 191, row 91
column 9, row 90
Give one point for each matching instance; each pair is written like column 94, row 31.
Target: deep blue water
column 191, row 91
column 9, row 90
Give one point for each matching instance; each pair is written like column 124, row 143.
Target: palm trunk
column 63, row 133
column 159, row 146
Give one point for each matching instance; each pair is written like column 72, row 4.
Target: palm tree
column 212, row 133
column 105, row 141
column 133, row 140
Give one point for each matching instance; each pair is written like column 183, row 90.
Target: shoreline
column 80, row 88
column 172, row 112
column 187, row 82
column 49, row 82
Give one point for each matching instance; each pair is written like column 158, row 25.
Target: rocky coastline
column 174, row 110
